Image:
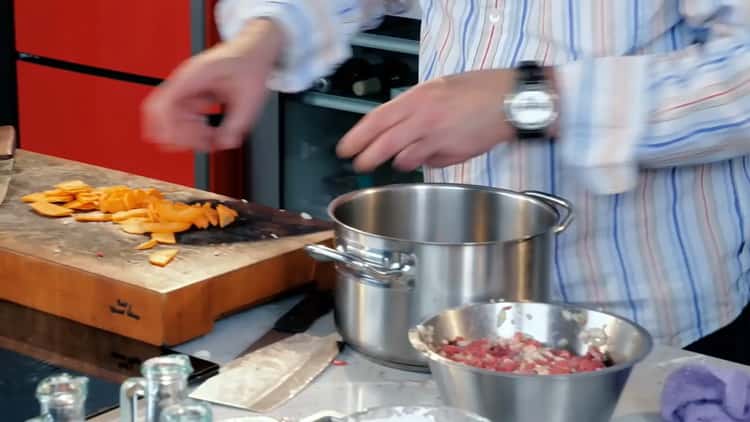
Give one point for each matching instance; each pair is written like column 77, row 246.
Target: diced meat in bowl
column 521, row 354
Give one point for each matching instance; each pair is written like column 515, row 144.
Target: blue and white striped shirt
column 655, row 134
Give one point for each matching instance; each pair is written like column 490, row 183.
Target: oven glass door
column 384, row 64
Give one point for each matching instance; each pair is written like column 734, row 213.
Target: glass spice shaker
column 62, row 398
column 164, row 383
column 187, row 411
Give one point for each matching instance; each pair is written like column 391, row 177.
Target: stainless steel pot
column 404, row 252
column 585, row 396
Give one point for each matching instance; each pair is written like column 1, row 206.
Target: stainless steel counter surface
column 361, row 384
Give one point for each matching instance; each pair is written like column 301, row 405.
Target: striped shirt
column 654, row 148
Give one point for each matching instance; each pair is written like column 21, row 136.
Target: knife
column 7, row 151
column 299, row 319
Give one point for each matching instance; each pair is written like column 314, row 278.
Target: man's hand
column 438, row 123
column 232, row 74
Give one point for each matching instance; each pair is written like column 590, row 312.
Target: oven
column 290, row 158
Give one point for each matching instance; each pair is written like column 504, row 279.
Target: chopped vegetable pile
column 136, row 211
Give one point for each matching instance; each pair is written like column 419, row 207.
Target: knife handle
column 7, row 142
column 304, row 314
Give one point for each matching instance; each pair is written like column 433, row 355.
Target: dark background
column 8, row 99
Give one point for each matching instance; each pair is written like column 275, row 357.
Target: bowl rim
column 434, row 357
column 468, row 413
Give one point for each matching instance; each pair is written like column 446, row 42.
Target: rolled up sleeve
column 318, row 33
column 621, row 114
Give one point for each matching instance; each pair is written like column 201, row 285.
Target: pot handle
column 557, row 203
column 381, row 275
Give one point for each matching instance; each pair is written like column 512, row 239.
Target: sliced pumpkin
column 166, row 238
column 74, row 204
column 202, row 222
column 212, row 215
column 226, row 215
column 133, row 220
column 147, row 245
column 133, row 227
column 87, row 206
column 133, row 213
column 34, row 197
column 166, row 227
column 162, row 257
column 59, row 198
column 177, row 211
column 51, row 210
column 153, row 193
column 110, row 204
column 97, row 217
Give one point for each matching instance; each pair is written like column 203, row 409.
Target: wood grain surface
column 91, row 273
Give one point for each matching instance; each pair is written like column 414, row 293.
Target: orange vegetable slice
column 147, row 245
column 202, row 222
column 226, row 215
column 177, row 211
column 133, row 221
column 87, row 197
column 111, row 205
column 87, row 206
column 154, row 193
column 96, row 217
column 74, row 204
column 59, row 198
column 166, row 238
column 166, row 227
column 34, row 197
column 212, row 215
column 51, row 210
column 133, row 227
column 130, row 200
column 133, row 213
column 163, row 257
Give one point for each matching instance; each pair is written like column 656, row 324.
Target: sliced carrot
column 147, row 245
column 162, row 257
column 226, row 215
column 51, row 210
column 97, row 217
column 166, row 238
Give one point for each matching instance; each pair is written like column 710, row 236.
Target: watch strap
column 530, row 72
column 526, row 134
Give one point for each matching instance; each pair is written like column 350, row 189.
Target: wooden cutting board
column 91, row 273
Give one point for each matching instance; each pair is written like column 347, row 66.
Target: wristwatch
column 532, row 106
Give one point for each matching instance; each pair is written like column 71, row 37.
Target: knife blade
column 7, row 153
column 315, row 365
column 297, row 320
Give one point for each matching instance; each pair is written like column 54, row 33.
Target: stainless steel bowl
column 590, row 396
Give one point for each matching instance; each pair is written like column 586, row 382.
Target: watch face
column 531, row 109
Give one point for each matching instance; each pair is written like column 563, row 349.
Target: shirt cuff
column 604, row 112
column 301, row 62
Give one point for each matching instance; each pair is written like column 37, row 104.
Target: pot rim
column 348, row 197
column 435, row 358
